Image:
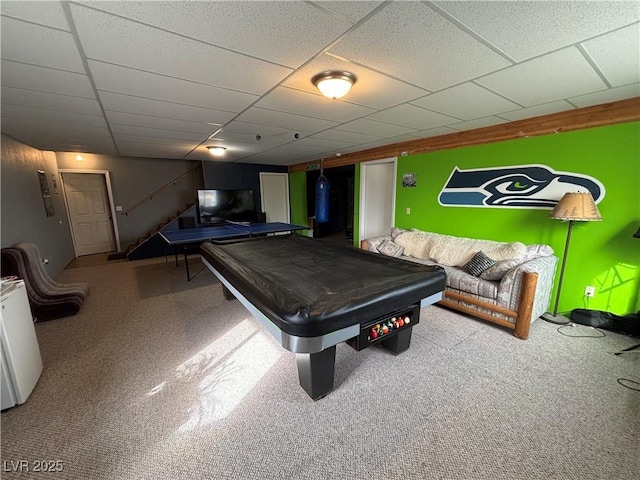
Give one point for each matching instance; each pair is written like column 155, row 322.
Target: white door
column 377, row 197
column 89, row 213
column 274, row 194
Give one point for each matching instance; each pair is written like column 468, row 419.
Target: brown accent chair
column 48, row 298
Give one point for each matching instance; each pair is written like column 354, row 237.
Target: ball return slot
column 392, row 331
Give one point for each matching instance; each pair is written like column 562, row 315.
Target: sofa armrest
column 510, row 285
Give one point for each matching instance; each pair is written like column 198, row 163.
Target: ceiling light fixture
column 334, row 83
column 79, row 158
column 216, row 150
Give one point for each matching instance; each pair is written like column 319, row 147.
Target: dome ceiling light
column 216, row 150
column 334, row 83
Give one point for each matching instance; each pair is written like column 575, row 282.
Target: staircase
column 136, row 250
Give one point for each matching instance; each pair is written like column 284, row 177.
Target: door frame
column 287, row 201
column 363, row 192
column 112, row 208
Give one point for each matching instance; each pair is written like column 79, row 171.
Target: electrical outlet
column 589, row 291
column 407, row 210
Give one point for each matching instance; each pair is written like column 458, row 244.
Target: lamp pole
column 564, row 262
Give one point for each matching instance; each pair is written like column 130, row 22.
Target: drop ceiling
column 167, row 79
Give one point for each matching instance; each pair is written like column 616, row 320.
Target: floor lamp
column 574, row 207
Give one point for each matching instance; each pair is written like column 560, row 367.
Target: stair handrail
column 149, row 197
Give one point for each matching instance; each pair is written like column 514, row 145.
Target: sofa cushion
column 461, row 281
column 390, row 248
column 478, row 264
column 499, row 269
column 456, row 251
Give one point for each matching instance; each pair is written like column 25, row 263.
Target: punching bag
column 322, row 199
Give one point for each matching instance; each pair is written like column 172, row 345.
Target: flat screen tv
column 216, row 206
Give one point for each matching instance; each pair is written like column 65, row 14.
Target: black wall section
column 340, row 200
column 237, row 176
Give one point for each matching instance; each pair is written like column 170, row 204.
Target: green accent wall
column 298, row 198
column 603, row 254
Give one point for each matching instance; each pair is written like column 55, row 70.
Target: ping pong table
column 193, row 237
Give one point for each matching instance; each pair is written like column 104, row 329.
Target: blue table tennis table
column 193, row 237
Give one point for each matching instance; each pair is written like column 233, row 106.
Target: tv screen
column 216, row 206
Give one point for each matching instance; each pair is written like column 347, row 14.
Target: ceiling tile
column 370, row 127
column 252, row 129
column 28, row 43
column 51, row 116
column 413, row 117
column 227, row 137
column 45, row 79
column 433, row 132
column 153, row 132
column 115, row 40
column 121, row 118
column 368, row 89
column 345, row 137
column 49, row 14
column 537, row 111
column 113, row 78
column 155, row 108
column 283, row 32
column 262, row 116
column 466, row 102
column 129, row 149
column 302, row 103
column 544, row 79
column 351, row 11
column 477, row 123
column 425, row 49
column 617, row 55
column 606, row 96
column 50, row 101
column 527, row 29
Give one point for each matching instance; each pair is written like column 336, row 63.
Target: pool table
column 311, row 295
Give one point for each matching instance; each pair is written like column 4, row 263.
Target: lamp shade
column 334, row 84
column 578, row 206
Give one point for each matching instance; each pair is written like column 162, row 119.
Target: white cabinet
column 20, row 353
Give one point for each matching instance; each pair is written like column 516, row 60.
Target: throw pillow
column 499, row 269
column 373, row 243
column 390, row 248
column 478, row 264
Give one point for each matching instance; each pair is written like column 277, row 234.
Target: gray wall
column 23, row 214
column 132, row 179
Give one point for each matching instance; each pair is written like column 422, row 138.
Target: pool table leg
column 400, row 342
column 315, row 371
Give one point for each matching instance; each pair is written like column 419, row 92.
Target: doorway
column 88, row 199
column 274, row 196
column 377, row 197
column 339, row 227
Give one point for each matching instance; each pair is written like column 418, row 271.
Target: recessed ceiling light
column 334, row 83
column 79, row 158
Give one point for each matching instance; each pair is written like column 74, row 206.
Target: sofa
column 506, row 283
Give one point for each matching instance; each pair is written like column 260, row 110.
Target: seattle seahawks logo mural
column 524, row 186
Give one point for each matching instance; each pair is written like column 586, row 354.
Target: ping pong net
column 244, row 227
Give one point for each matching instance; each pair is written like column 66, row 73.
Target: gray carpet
column 159, row 378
